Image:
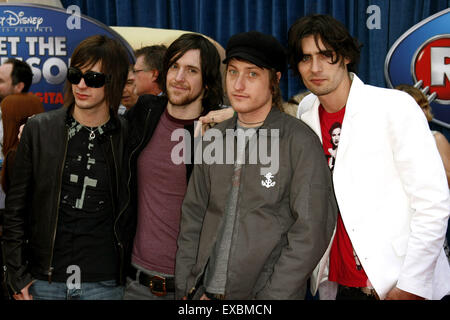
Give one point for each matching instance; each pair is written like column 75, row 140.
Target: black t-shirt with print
column 85, row 236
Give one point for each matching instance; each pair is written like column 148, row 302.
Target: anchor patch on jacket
column 268, row 183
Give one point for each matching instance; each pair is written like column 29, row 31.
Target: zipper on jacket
column 50, row 270
column 238, row 214
column 121, row 251
column 198, row 280
column 129, row 159
column 119, row 244
column 117, row 177
column 138, row 146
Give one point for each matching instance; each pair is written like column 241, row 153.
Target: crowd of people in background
column 102, row 202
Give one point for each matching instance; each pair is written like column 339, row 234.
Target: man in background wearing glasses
column 148, row 70
column 66, row 227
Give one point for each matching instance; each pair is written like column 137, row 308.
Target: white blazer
column 391, row 189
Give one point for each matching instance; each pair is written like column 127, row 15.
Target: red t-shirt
column 345, row 267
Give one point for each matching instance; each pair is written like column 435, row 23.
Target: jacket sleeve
column 192, row 213
column 423, row 178
column 9, row 163
column 314, row 209
column 15, row 220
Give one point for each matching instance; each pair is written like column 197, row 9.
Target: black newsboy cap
column 258, row 48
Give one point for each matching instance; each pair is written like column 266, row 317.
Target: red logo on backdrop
column 431, row 64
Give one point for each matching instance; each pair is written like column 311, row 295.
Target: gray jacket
column 280, row 233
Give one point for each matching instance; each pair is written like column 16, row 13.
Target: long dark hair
column 333, row 34
column 16, row 108
column 277, row 98
column 114, row 60
column 210, row 64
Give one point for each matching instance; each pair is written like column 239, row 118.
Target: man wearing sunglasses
column 192, row 87
column 67, row 229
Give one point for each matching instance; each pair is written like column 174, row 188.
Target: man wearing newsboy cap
column 256, row 221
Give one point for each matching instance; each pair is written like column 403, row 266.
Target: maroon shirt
column 161, row 189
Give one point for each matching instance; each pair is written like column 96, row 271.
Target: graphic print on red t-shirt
column 345, row 267
column 331, row 124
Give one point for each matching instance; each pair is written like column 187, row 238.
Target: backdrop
column 220, row 19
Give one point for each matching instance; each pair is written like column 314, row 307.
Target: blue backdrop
column 220, row 19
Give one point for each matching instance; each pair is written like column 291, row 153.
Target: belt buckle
column 155, row 292
column 219, row 296
column 215, row 296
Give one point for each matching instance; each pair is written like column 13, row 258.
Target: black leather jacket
column 32, row 202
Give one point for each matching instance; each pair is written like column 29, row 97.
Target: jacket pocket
column 400, row 245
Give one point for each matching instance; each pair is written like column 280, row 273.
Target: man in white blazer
column 389, row 179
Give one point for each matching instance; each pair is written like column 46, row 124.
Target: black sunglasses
column 91, row 78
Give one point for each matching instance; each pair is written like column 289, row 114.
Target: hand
column 204, row 297
column 398, row 294
column 24, row 295
column 211, row 119
column 20, row 131
column 21, row 127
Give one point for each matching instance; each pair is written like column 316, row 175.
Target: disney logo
column 15, row 19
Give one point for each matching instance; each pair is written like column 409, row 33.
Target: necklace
column 250, row 123
column 92, row 132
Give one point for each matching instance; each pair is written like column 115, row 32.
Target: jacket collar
column 111, row 125
column 354, row 95
column 353, row 105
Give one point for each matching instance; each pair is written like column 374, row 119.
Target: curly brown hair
column 333, row 34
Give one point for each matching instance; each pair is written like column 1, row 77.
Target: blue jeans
column 103, row 290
